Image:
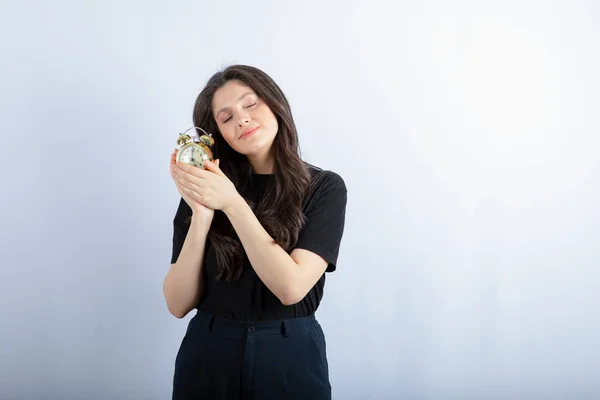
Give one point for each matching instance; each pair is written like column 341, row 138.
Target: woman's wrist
column 236, row 204
column 201, row 222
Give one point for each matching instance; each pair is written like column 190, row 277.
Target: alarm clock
column 195, row 151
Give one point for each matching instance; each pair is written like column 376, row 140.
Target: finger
column 173, row 167
column 192, row 170
column 192, row 194
column 187, row 190
column 185, row 167
column 187, row 184
column 211, row 166
column 186, row 177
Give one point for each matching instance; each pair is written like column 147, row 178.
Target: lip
column 249, row 132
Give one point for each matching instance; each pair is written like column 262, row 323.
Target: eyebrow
column 238, row 100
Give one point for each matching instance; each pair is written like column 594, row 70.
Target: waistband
column 273, row 327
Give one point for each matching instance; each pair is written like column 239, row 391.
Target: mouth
column 249, row 132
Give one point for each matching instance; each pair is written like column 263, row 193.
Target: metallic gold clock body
column 195, row 151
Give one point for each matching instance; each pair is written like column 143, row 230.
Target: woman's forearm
column 183, row 285
column 273, row 265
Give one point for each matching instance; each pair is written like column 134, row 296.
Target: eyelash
column 251, row 105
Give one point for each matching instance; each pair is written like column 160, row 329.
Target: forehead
column 229, row 94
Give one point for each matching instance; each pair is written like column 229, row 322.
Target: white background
column 467, row 133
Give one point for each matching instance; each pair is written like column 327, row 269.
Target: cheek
column 269, row 121
column 227, row 132
column 275, row 126
column 229, row 135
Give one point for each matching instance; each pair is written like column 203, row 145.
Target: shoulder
column 325, row 211
column 326, row 179
column 325, row 184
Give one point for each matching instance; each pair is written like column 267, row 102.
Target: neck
column 262, row 163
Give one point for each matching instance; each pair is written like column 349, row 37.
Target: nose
column 243, row 118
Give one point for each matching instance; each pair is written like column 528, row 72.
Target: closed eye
column 248, row 106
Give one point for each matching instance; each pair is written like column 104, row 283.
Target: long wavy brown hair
column 280, row 208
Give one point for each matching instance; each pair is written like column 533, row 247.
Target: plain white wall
column 468, row 136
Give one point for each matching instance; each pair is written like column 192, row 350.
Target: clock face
column 192, row 154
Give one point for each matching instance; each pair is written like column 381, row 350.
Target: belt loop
column 285, row 328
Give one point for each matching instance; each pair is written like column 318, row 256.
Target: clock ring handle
column 196, row 127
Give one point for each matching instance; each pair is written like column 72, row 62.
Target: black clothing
column 224, row 359
column 247, row 298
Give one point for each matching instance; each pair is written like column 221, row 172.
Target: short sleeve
column 180, row 228
column 325, row 210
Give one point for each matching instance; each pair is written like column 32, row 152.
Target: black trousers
column 229, row 360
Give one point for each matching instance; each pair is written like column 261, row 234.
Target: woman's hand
column 189, row 192
column 209, row 187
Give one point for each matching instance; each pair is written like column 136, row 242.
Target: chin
column 253, row 152
column 253, row 148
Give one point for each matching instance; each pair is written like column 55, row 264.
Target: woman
column 254, row 234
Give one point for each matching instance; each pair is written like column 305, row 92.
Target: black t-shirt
column 247, row 298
